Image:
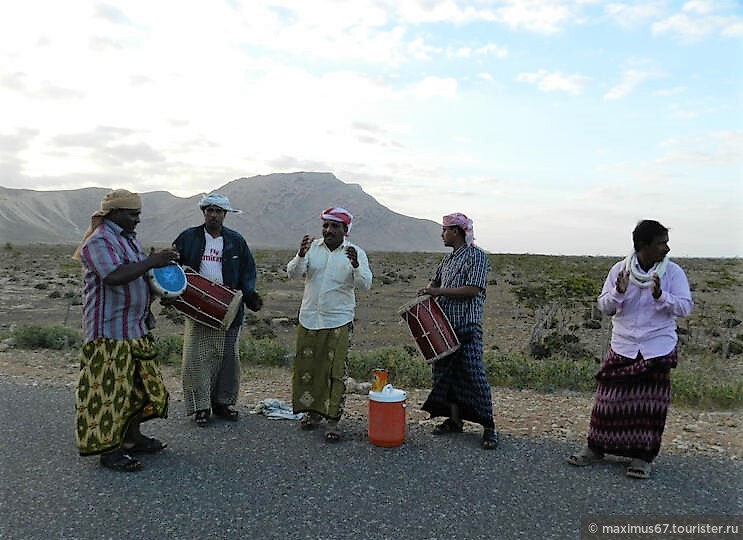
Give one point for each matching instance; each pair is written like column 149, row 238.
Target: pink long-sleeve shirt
column 640, row 322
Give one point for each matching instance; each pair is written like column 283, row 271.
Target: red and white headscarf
column 465, row 223
column 338, row 214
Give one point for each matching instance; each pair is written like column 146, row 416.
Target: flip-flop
column 585, row 457
column 147, row 445
column 309, row 421
column 639, row 468
column 489, row 439
column 202, row 418
column 120, row 461
column 332, row 433
column 224, row 411
column 448, row 426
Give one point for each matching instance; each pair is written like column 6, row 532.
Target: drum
column 167, row 281
column 208, row 302
column 430, row 328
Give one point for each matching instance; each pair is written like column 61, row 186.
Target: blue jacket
column 238, row 265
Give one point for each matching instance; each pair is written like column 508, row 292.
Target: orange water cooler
column 387, row 416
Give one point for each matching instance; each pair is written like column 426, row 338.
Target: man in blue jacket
column 211, row 362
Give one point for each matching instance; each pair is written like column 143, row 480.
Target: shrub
column 262, row 352
column 169, row 350
column 47, row 337
column 545, row 375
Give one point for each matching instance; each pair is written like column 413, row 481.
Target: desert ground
column 527, row 294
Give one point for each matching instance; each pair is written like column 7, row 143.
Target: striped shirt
column 467, row 266
column 112, row 311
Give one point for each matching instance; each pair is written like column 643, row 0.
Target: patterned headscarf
column 113, row 200
column 219, row 200
column 465, row 223
column 338, row 214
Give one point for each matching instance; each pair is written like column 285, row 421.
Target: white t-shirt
column 211, row 261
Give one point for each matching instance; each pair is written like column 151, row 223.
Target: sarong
column 631, row 404
column 318, row 378
column 118, row 381
column 211, row 366
column 460, row 379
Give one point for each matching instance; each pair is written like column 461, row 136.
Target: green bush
column 169, row 350
column 47, row 337
column 262, row 352
column 544, row 375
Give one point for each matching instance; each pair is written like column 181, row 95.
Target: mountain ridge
column 277, row 210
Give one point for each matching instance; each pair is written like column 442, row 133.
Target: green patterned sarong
column 318, row 378
column 118, row 381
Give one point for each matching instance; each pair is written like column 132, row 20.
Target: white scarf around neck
column 637, row 276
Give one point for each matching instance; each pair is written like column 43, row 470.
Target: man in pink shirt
column 644, row 294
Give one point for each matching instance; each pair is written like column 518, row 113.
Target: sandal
column 587, row 456
column 310, row 421
column 120, row 461
column 448, row 426
column 332, row 432
column 489, row 439
column 224, row 411
column 639, row 468
column 202, row 418
column 147, row 445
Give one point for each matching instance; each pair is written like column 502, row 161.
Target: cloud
column 541, row 16
column 433, row 87
column 631, row 15
column 555, row 81
column 699, row 19
column 630, row 80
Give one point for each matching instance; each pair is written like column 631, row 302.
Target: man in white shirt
column 332, row 268
column 644, row 294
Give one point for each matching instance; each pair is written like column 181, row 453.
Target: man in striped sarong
column 644, row 294
column 460, row 386
column 119, row 384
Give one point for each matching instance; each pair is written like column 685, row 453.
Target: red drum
column 208, row 302
column 430, row 328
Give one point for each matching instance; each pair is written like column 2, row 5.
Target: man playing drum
column 119, row 384
column 460, row 387
column 333, row 268
column 211, row 361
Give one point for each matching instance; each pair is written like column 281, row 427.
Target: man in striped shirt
column 119, row 384
column 460, row 386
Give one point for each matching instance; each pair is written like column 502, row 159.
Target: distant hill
column 278, row 209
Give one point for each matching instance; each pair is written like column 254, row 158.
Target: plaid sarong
column 118, row 380
column 320, row 370
column 631, row 405
column 460, row 379
column 211, row 366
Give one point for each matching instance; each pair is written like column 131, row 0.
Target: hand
column 163, row 257
column 657, row 291
column 622, row 282
column 430, row 291
column 254, row 302
column 305, row 245
column 352, row 256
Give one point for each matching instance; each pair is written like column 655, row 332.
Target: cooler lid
column 388, row 394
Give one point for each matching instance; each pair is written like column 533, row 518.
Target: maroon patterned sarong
column 631, row 404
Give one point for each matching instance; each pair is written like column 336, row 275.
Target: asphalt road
column 261, row 478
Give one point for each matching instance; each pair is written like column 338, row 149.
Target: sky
column 554, row 124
